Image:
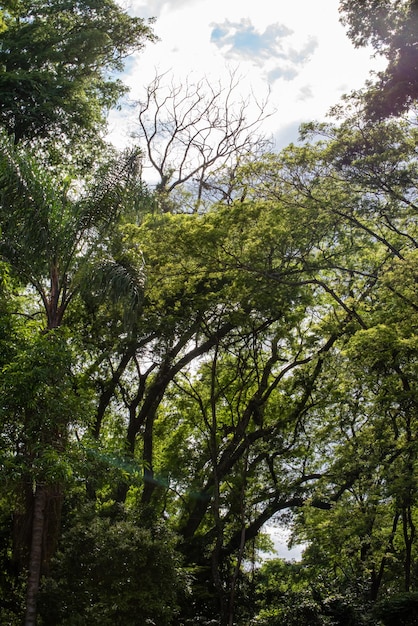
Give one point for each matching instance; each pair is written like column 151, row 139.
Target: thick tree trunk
column 22, row 528
column 35, row 558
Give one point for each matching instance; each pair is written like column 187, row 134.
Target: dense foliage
column 182, row 365
column 391, row 27
column 57, row 69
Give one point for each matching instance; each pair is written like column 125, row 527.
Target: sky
column 295, row 50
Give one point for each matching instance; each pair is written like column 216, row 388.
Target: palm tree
column 54, row 237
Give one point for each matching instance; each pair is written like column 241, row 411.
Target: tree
column 391, row 28
column 287, row 594
column 50, row 239
column 56, row 62
column 112, row 567
column 259, row 365
column 365, row 178
column 194, row 137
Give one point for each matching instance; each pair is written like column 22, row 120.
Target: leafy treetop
column 392, row 29
column 56, row 65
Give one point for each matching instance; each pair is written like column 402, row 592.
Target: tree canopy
column 184, row 364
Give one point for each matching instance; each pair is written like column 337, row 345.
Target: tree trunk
column 149, row 482
column 409, row 536
column 35, row 558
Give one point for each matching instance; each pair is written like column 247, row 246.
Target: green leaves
column 253, row 360
column 391, row 28
column 30, row 205
column 53, row 235
column 55, row 64
column 112, row 568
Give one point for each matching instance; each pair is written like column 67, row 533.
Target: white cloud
column 286, row 73
column 242, row 39
column 272, row 48
column 154, row 8
column 305, row 93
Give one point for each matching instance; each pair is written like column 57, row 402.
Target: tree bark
column 35, row 559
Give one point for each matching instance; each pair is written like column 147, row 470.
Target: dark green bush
column 111, row 572
column 399, row 610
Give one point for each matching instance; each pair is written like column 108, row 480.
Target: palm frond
column 121, row 282
column 114, row 184
column 28, row 197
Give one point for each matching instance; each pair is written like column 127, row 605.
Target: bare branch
column 196, row 133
